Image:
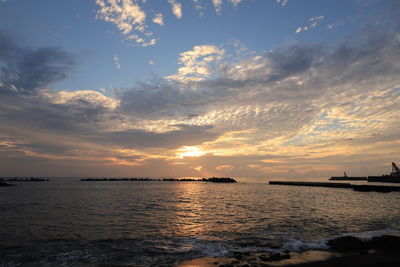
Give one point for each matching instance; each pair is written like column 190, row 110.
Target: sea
column 66, row 222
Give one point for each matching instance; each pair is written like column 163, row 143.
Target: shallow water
column 66, row 221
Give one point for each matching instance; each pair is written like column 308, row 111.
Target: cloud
column 116, row 62
column 218, row 6
column 283, row 96
column 176, row 8
column 82, row 97
column 126, row 15
column 224, row 167
column 196, row 62
column 282, row 2
column 312, row 22
column 315, row 20
column 129, row 18
column 235, row 2
column 24, row 70
column 159, row 19
column 184, row 135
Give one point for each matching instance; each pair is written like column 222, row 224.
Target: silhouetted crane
column 395, row 170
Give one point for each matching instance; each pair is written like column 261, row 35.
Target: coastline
column 342, row 251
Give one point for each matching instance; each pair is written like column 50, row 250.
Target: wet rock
column 386, row 242
column 275, row 257
column 109, row 265
column 238, row 257
column 346, row 243
column 263, row 257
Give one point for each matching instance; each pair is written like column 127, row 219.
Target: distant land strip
column 362, row 188
column 212, row 179
column 32, row 179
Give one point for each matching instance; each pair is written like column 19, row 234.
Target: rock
column 285, row 256
column 386, row 242
column 275, row 257
column 238, row 257
column 263, row 258
column 3, row 184
column 346, row 243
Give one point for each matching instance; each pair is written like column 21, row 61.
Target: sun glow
column 190, row 151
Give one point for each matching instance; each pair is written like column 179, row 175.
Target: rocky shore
column 3, row 184
column 343, row 251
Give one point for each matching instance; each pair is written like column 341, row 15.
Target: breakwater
column 361, row 188
column 32, row 179
column 146, row 179
column 333, row 178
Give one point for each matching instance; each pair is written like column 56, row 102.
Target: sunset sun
column 190, row 151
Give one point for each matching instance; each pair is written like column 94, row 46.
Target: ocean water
column 68, row 222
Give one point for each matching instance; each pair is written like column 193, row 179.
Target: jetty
column 360, row 188
column 315, row 184
column 347, row 178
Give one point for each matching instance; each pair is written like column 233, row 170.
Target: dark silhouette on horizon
column 147, row 179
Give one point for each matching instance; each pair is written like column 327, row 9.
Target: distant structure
column 393, row 177
column 395, row 170
column 219, row 180
column 32, row 179
column 147, row 179
column 347, row 178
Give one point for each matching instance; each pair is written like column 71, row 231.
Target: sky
column 198, row 88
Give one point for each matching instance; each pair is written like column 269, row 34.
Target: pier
column 361, row 188
column 347, row 178
column 333, row 178
column 316, row 184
